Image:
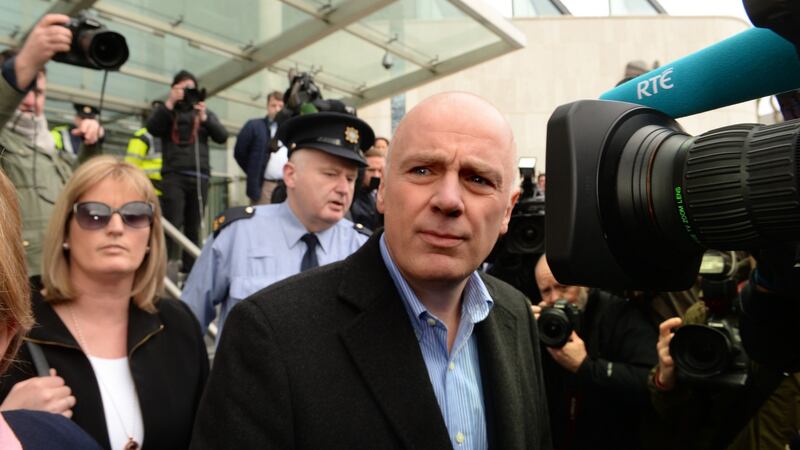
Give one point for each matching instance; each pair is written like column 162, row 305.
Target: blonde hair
column 15, row 298
column 148, row 281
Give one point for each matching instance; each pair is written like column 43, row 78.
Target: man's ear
column 289, row 172
column 509, row 208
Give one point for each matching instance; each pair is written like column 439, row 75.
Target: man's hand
column 666, row 366
column 47, row 38
column 537, row 311
column 91, row 131
column 41, row 394
column 571, row 355
column 201, row 111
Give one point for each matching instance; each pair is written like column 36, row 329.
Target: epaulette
column 231, row 215
column 362, row 229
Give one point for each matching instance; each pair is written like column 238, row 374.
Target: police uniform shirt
column 251, row 254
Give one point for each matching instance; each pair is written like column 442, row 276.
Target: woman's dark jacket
column 168, row 361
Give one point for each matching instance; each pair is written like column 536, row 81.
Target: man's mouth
column 440, row 239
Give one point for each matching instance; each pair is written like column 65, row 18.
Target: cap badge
column 351, row 135
column 87, row 109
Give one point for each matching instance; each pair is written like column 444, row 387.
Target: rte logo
column 650, row 86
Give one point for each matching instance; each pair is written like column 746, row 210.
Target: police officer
column 144, row 152
column 66, row 138
column 256, row 246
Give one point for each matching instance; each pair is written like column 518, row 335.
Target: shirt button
column 451, row 366
column 459, row 438
column 431, row 321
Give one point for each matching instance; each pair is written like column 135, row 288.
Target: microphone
column 752, row 64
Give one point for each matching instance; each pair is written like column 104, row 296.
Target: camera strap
column 180, row 126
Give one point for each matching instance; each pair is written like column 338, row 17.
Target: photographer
column 184, row 125
column 28, row 153
column 762, row 412
column 597, row 382
column 364, row 210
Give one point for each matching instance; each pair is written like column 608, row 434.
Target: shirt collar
column 476, row 299
column 293, row 229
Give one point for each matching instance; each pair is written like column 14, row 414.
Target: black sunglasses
column 96, row 215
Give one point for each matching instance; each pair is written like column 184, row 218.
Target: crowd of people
column 354, row 313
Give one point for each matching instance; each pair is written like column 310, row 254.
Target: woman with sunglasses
column 125, row 366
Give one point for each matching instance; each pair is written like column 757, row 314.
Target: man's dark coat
column 328, row 359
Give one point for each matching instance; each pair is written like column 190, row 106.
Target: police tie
column 310, row 258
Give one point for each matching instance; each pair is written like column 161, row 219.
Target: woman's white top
column 120, row 402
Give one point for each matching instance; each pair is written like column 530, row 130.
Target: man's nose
column 448, row 196
column 29, row 101
column 342, row 184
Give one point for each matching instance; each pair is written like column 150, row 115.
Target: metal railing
column 190, row 247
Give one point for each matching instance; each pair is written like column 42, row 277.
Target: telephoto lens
column 94, row 46
column 637, row 200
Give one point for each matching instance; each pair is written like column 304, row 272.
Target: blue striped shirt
column 456, row 375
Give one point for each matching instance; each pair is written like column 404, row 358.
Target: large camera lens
column 731, row 188
column 106, row 49
column 700, row 351
column 526, row 229
column 636, row 200
column 555, row 327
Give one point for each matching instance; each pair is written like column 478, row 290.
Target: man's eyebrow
column 485, row 170
column 423, row 158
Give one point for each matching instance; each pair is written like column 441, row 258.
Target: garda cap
column 85, row 111
column 338, row 134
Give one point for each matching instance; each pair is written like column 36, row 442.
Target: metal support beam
column 66, row 7
column 493, row 21
column 8, row 41
column 416, row 78
column 289, row 42
column 76, row 95
column 166, row 81
column 69, row 7
column 151, row 23
column 119, row 104
column 375, row 38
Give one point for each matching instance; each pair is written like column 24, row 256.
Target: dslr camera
column 526, row 228
column 557, row 322
column 514, row 256
column 94, row 46
column 191, row 97
column 710, row 354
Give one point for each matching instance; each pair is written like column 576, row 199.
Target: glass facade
column 242, row 50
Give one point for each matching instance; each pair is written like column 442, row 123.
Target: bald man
column 597, row 382
column 404, row 344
